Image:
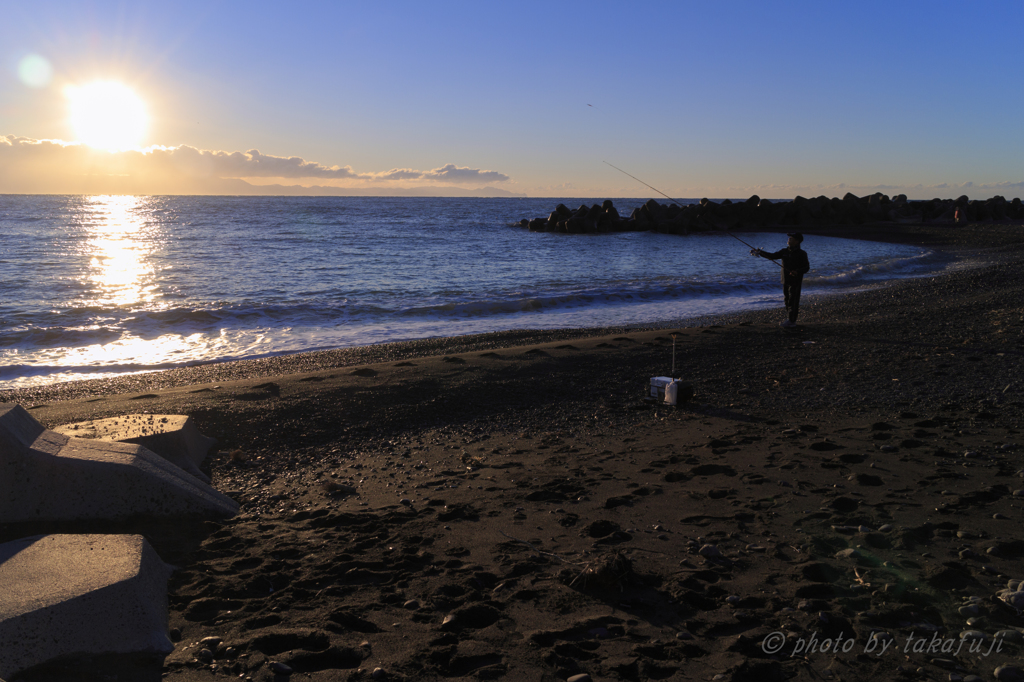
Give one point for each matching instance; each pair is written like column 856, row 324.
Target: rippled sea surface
column 104, row 285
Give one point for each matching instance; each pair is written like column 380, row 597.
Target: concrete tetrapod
column 172, row 436
column 45, row 476
column 65, row 595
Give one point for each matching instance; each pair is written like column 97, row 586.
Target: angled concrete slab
column 46, row 476
column 66, row 595
column 172, row 436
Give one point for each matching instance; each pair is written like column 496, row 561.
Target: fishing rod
column 680, row 206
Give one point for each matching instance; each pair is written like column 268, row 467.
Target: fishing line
column 681, row 205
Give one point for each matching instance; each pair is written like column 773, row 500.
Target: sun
column 107, row 115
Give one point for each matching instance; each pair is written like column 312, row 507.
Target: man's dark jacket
column 793, row 260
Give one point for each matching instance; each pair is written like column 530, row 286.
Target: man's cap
column 799, row 237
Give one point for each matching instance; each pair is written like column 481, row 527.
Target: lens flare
column 35, row 71
column 107, row 115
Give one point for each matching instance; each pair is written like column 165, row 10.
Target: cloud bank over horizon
column 48, row 166
column 41, row 166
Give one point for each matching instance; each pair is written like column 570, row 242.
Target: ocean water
column 104, row 285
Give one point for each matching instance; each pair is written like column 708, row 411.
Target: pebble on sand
column 210, row 643
column 1011, row 636
column 1009, row 673
column 710, row 552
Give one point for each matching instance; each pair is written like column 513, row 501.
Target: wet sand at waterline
column 507, row 506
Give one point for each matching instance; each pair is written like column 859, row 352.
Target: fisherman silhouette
column 794, row 266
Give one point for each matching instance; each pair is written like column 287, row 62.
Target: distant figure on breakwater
column 794, row 266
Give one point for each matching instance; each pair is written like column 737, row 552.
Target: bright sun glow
column 107, row 115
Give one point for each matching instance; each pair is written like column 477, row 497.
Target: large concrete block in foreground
column 46, row 476
column 66, row 595
column 172, row 436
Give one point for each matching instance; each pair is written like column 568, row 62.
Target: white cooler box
column 658, row 385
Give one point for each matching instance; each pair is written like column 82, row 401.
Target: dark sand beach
column 507, row 506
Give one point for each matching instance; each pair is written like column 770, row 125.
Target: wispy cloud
column 448, row 173
column 452, row 173
column 251, row 164
column 400, row 174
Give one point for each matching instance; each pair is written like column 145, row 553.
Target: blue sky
column 697, row 98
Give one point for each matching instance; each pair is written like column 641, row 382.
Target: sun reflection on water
column 121, row 244
column 121, row 248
